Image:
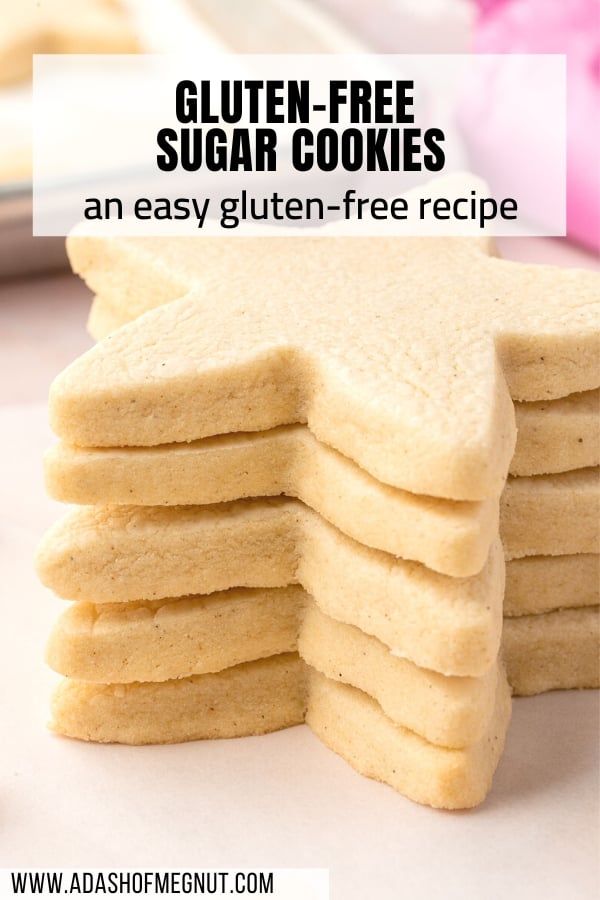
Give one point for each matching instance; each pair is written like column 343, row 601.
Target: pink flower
column 553, row 26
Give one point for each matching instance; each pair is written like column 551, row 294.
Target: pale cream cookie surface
column 558, row 650
column 545, row 515
column 108, row 554
column 163, row 640
column 277, row 692
column 319, row 344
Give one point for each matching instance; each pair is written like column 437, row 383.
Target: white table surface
column 280, row 800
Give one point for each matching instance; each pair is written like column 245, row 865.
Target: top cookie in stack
column 369, row 378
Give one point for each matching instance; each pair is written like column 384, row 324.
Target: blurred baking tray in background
column 20, row 253
column 199, row 26
column 243, row 26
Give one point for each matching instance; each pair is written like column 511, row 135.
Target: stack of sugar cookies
column 290, row 481
column 550, row 520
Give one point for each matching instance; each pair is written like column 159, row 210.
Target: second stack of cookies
column 550, row 523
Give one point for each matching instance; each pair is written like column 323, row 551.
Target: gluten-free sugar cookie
column 319, row 344
column 277, row 692
column 108, row 554
column 166, row 639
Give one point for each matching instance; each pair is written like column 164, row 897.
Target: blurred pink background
column 571, row 27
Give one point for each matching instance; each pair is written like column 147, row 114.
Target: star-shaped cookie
column 402, row 354
column 107, row 554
